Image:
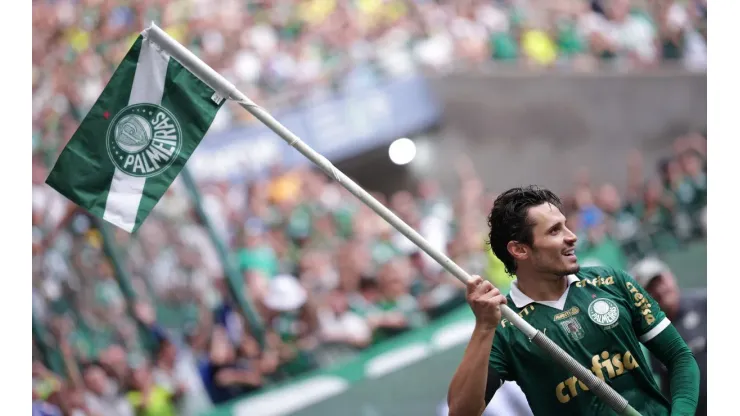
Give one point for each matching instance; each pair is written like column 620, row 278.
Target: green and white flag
column 136, row 138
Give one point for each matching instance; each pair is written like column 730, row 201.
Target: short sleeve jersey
column 600, row 321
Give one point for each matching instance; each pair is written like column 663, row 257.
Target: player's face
column 553, row 244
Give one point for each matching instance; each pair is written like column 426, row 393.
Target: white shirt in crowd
column 347, row 324
column 634, row 34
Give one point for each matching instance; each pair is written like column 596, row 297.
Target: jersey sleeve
column 648, row 319
column 498, row 359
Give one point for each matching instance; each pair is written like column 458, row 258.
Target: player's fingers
column 500, row 299
column 491, row 293
column 478, row 287
column 494, row 302
column 483, row 289
column 474, row 283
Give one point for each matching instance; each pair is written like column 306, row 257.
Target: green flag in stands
column 136, row 138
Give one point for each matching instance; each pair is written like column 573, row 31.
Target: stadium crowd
column 280, row 51
column 326, row 275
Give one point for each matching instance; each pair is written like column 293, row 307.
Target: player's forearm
column 684, row 373
column 466, row 395
column 685, row 377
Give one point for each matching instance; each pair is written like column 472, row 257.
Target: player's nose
column 570, row 237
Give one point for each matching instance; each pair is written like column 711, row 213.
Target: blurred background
column 262, row 287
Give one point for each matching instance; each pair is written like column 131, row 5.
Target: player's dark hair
column 509, row 220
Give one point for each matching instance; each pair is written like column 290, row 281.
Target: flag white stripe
column 126, row 191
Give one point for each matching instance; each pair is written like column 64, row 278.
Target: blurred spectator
column 225, row 377
column 340, row 325
column 114, row 360
column 687, row 312
column 622, row 33
column 42, row 408
column 680, row 31
column 45, row 384
column 179, row 379
column 292, row 324
column 256, row 254
column 150, row 398
column 396, row 310
column 103, row 396
column 621, row 223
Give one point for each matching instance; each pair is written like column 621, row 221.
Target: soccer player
column 598, row 315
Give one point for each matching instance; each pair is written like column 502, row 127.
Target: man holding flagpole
column 153, row 114
column 599, row 315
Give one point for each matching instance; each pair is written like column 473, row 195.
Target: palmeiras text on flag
column 136, row 138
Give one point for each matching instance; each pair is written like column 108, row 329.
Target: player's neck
column 541, row 287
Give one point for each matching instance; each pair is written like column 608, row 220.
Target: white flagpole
column 228, row 90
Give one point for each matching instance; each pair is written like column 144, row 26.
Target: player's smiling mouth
column 570, row 253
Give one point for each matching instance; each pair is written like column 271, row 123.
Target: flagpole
column 228, row 90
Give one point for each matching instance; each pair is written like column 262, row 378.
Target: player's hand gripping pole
column 226, row 89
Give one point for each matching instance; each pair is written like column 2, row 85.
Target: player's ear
column 518, row 250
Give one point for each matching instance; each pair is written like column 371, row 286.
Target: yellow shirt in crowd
column 159, row 403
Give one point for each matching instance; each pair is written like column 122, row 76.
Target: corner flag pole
column 227, row 90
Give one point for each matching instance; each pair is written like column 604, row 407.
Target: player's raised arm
column 471, row 387
column 657, row 333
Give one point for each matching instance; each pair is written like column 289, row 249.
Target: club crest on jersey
column 603, row 312
column 573, row 328
column 143, row 139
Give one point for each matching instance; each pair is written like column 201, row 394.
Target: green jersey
column 601, row 321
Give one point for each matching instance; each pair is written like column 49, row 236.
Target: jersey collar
column 521, row 300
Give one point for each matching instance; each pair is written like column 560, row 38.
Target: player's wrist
column 484, row 327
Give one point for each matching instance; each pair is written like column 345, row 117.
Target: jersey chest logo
column 603, row 312
column 573, row 328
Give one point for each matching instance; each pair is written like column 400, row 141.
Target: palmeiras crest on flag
column 573, row 328
column 144, row 139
